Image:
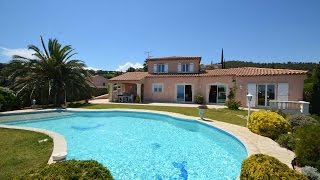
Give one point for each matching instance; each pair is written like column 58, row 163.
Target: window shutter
column 252, row 89
column 155, row 68
column 283, row 89
column 179, row 67
column 191, row 67
column 166, row 68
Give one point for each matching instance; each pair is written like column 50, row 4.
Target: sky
column 114, row 35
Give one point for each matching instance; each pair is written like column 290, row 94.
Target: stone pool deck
column 254, row 143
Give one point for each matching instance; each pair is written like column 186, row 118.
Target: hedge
column 98, row 91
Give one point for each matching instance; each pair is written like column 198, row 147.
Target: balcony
column 291, row 107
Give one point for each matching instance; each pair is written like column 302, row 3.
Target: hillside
column 289, row 65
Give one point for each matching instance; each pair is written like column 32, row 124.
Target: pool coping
column 253, row 143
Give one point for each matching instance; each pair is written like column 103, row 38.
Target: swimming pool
column 140, row 145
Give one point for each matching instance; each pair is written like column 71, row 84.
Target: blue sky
column 109, row 34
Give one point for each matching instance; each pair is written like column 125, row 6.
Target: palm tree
column 51, row 76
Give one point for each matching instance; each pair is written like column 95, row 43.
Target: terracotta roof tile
column 253, row 71
column 130, row 76
column 245, row 71
column 174, row 75
column 176, row 58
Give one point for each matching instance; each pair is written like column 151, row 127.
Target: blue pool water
column 135, row 145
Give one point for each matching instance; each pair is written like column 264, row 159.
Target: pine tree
column 145, row 66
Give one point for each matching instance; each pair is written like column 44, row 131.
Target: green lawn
column 225, row 115
column 20, row 152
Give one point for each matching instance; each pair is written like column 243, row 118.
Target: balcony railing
column 291, row 107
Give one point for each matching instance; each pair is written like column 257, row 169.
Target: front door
column 266, row 92
column 184, row 93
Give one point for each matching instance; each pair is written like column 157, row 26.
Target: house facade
column 179, row 79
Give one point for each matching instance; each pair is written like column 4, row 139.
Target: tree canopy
column 51, row 76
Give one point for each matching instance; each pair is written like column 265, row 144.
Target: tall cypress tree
column 315, row 95
column 222, row 60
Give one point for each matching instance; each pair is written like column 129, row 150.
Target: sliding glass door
column 184, row 93
column 217, row 94
column 261, row 94
column 266, row 92
column 180, row 92
column 271, row 93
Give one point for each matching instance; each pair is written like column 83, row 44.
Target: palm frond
column 44, row 47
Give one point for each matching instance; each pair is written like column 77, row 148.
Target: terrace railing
column 291, row 107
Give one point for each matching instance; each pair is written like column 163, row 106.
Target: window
column 103, row 84
column 115, row 87
column 160, row 68
column 185, row 67
column 157, row 88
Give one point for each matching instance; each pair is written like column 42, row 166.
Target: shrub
column 311, row 173
column 281, row 113
column 267, row 123
column 286, row 141
column 299, row 120
column 8, row 99
column 233, row 104
column 72, row 169
column 316, row 117
column 137, row 99
column 308, row 146
column 199, row 99
column 261, row 166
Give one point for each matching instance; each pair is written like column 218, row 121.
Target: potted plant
column 137, row 99
column 199, row 99
column 202, row 110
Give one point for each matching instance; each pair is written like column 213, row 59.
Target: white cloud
column 92, row 68
column 126, row 66
column 19, row 51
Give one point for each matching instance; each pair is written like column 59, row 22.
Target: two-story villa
column 179, row 79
